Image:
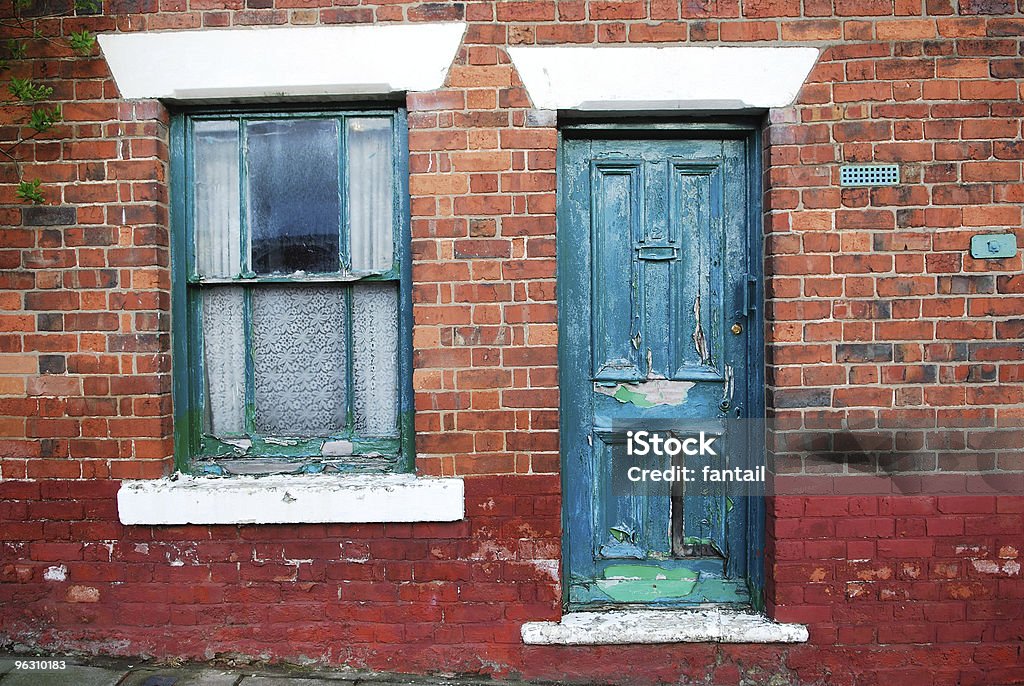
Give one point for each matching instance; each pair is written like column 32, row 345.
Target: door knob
column 737, row 328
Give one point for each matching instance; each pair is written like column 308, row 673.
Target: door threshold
column 684, row 625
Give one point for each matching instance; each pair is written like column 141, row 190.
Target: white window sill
column 364, row 498
column 698, row 625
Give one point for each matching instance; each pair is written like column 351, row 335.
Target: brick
column 536, row 10
column 346, row 15
column 988, row 90
column 41, row 215
column 437, row 100
column 991, row 171
column 985, row 6
column 868, row 8
column 656, row 33
column 862, row 131
column 437, row 140
column 742, row 31
column 481, row 161
column 477, row 76
column 565, row 33
column 525, row 140
column 771, row 8
column 437, row 11
column 1007, row 69
column 905, row 30
column 854, row 92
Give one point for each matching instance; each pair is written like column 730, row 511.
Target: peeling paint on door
column 646, row 583
column 700, row 341
column 653, row 251
column 648, row 393
column 728, row 388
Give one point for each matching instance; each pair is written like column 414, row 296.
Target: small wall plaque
column 993, row 246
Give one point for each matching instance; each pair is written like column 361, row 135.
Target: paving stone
column 155, row 676
column 73, row 675
column 104, row 671
column 289, row 681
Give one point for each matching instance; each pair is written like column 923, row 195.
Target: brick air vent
column 869, row 175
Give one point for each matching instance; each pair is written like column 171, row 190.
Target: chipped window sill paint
column 697, row 625
column 291, row 500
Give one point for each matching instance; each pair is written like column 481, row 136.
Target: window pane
column 375, row 358
column 217, row 227
column 299, row 359
column 370, row 193
column 294, row 201
column 224, row 360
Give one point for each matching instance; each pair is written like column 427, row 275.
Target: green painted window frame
column 369, row 455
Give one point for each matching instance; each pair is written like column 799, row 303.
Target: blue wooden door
column 655, row 298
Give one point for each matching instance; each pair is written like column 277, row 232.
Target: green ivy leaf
column 16, row 49
column 43, row 119
column 82, row 41
column 27, row 91
column 28, row 191
column 88, row 6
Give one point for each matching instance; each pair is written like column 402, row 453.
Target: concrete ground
column 100, row 671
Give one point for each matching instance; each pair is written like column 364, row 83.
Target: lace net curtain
column 302, row 336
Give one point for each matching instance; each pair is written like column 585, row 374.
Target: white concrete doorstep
column 699, row 625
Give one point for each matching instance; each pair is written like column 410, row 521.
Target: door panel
column 653, row 272
column 622, row 508
column 617, row 192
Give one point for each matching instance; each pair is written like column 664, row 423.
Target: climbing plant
column 25, row 95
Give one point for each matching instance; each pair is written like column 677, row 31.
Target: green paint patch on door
column 646, row 583
column 647, row 393
column 656, row 238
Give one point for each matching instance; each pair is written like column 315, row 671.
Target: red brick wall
column 923, row 589
column 878, row 320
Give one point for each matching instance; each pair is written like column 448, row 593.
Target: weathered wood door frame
column 749, row 131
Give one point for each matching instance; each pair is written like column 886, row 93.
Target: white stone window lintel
column 210, row 65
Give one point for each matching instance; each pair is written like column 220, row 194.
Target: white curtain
column 370, row 193
column 224, row 359
column 299, row 357
column 217, row 226
column 375, row 359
